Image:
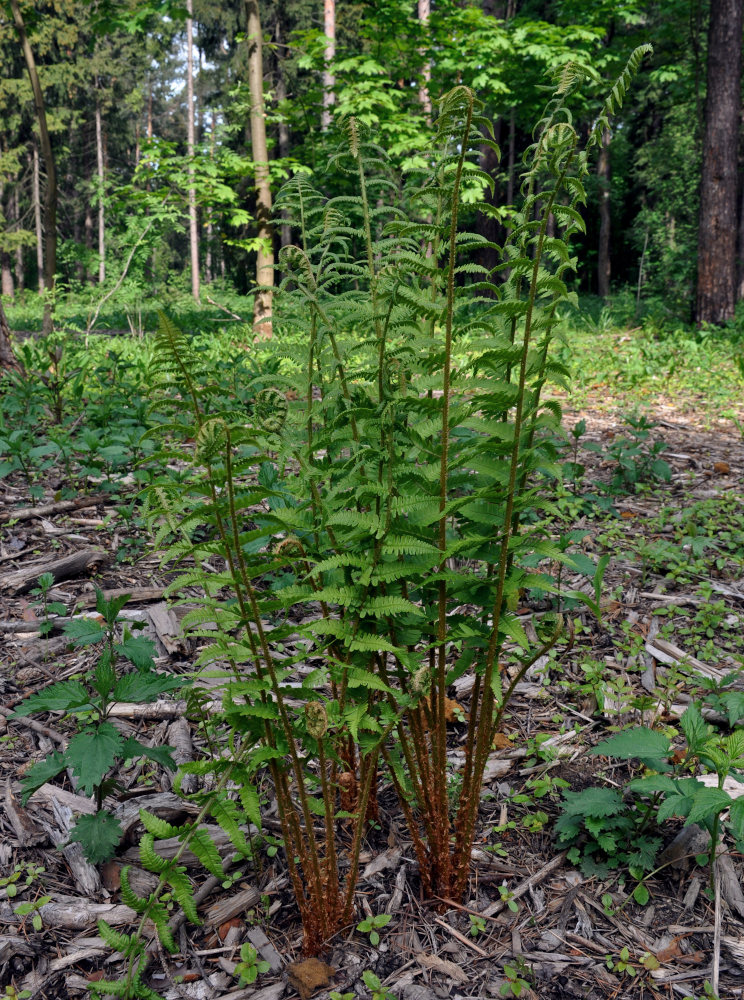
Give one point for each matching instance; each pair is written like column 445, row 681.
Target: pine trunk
column 262, row 324
column 716, row 284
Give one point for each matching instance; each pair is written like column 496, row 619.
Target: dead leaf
column 309, row 976
column 453, row 710
column 436, row 964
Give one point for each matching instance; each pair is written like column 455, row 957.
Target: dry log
column 75, row 913
column 61, row 569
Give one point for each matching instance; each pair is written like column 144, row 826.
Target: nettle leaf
column 84, row 631
column 161, row 755
column 641, row 743
column 93, row 753
column 40, row 773
column 706, row 803
column 104, row 676
column 146, row 686
column 99, row 835
column 695, row 728
column 62, row 697
column 110, row 609
column 138, row 650
column 593, row 802
column 737, row 818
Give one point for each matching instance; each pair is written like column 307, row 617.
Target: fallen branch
column 79, row 503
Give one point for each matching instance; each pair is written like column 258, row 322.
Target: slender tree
column 101, row 182
column 190, row 144
column 50, row 200
column 716, row 276
column 424, row 13
column 329, row 28
column 262, row 324
column 604, row 267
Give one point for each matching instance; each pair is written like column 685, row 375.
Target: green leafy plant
column 250, row 965
column 97, row 747
column 598, row 820
column 518, row 977
column 372, row 497
column 477, row 925
column 372, row 924
column 636, row 457
column 43, row 585
column 373, row 984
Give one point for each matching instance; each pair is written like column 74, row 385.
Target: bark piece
column 167, row 628
column 265, row 948
column 24, row 827
column 61, row 569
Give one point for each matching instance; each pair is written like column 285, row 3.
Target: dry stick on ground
column 36, row 726
column 78, row 503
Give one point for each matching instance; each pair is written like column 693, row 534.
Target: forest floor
column 533, row 924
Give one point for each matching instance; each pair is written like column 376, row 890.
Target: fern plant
column 388, row 512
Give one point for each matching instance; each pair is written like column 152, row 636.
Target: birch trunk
column 101, row 217
column 329, row 80
column 37, row 220
column 193, row 221
column 424, row 94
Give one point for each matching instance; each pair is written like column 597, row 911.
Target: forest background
column 131, row 181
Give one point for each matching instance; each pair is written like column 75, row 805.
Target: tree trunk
column 716, row 284
column 285, row 232
column 7, row 285
column 603, row 256
column 19, row 272
column 193, row 221
column 101, row 181
column 424, row 94
column 50, row 200
column 329, row 29
column 740, row 256
column 262, row 324
column 37, row 220
column 8, row 360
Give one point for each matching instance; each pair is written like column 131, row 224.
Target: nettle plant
column 386, row 512
column 97, row 748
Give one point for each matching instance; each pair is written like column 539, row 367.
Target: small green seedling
column 33, row 907
column 44, row 585
column 379, row 992
column 515, row 983
column 250, row 965
column 370, row 925
column 477, row 925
